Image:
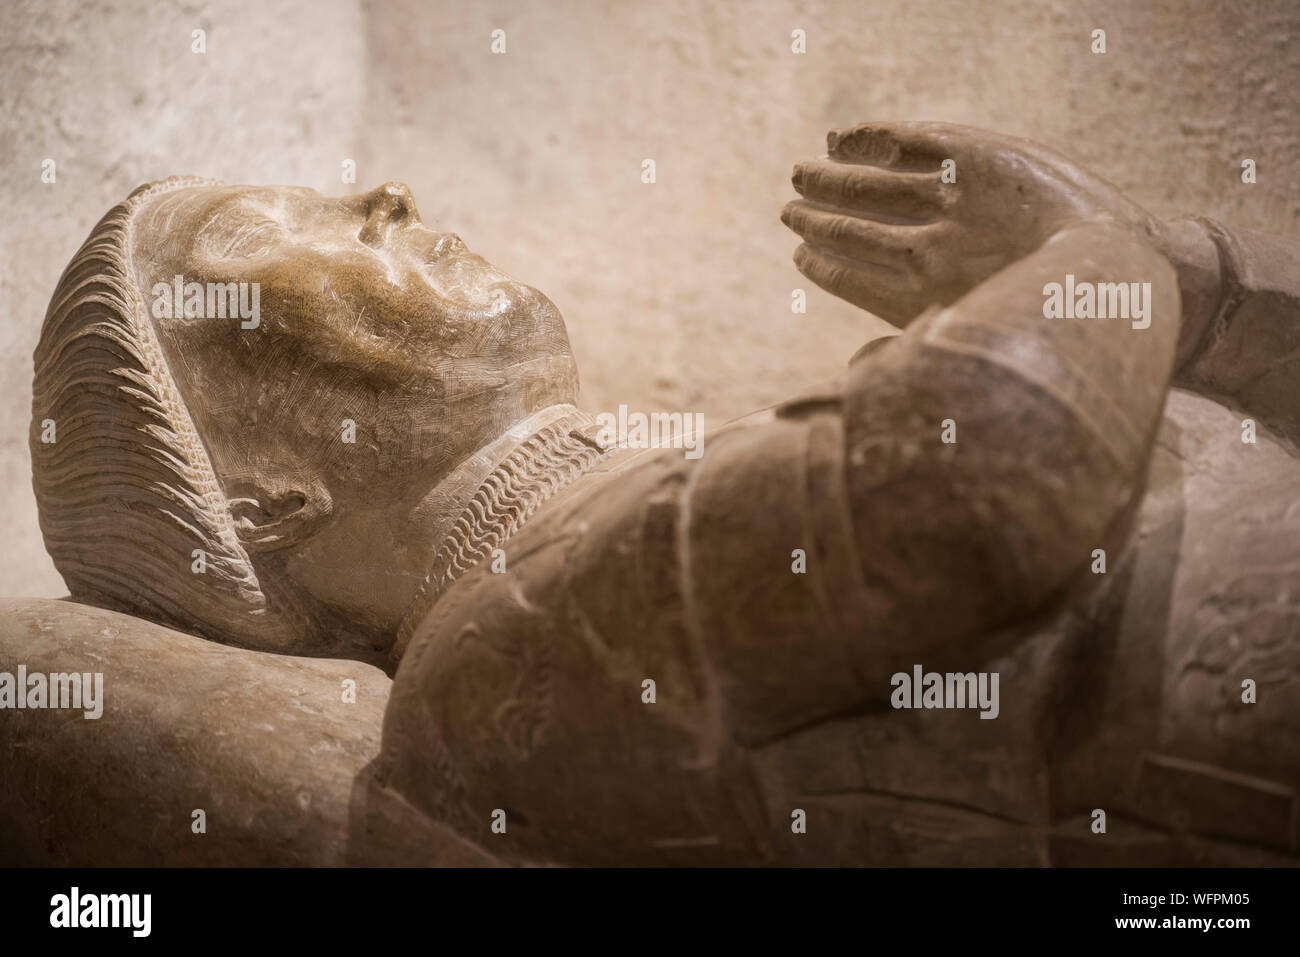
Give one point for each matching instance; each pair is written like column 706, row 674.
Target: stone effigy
column 283, row 443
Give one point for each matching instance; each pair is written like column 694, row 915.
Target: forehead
column 175, row 226
column 194, row 208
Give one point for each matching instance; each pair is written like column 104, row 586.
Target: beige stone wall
column 677, row 294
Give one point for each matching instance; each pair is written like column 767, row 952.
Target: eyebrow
column 198, row 233
column 248, row 231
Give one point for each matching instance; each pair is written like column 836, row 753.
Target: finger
column 880, row 193
column 876, row 287
column 899, row 245
column 899, row 146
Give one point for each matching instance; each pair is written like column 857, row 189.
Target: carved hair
column 126, row 491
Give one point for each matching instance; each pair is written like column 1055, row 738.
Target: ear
column 271, row 515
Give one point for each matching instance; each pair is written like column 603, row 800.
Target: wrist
column 1188, row 244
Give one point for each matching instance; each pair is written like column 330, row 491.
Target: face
column 384, row 354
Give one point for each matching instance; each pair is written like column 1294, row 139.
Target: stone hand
column 902, row 216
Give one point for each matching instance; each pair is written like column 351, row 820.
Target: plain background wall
column 677, row 294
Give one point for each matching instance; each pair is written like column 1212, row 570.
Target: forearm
column 1053, row 421
column 919, row 551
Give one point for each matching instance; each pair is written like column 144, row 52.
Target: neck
column 490, row 496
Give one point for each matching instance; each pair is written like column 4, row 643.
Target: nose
column 388, row 207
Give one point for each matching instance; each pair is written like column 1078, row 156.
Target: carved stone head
column 263, row 465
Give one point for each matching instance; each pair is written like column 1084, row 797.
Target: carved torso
column 1102, row 706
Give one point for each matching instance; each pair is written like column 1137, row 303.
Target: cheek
column 372, row 447
column 321, row 315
